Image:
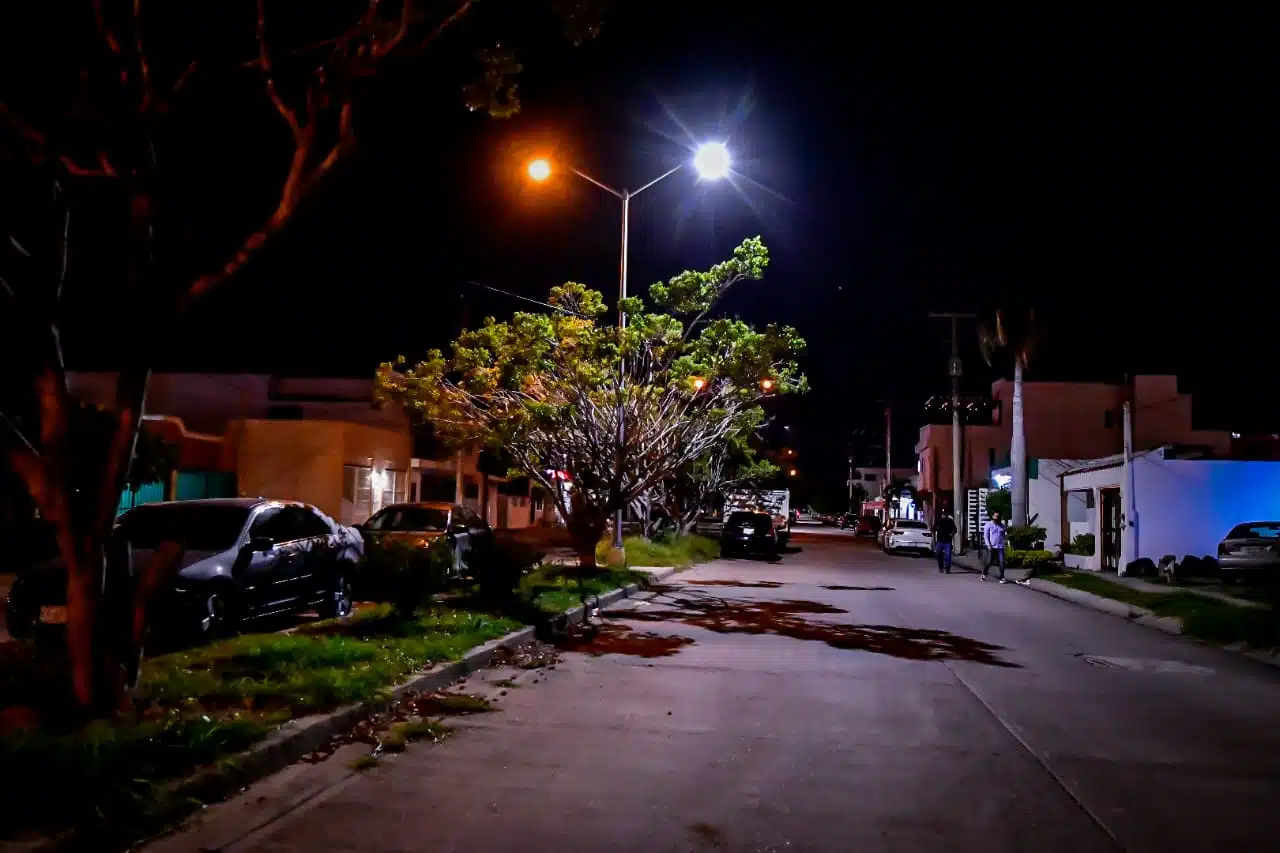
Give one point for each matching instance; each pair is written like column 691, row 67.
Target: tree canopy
column 566, row 393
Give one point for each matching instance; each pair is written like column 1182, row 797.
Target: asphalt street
column 843, row 701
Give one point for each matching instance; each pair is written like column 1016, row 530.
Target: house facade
column 1162, row 504
column 1064, row 421
column 322, row 441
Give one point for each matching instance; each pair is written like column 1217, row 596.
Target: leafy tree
column 127, row 120
column 1013, row 333
column 548, row 388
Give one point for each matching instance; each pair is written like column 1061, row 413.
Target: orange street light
column 793, row 472
column 540, row 169
column 766, row 384
column 699, row 383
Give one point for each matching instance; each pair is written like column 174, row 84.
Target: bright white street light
column 712, row 160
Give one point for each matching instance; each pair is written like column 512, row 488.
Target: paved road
column 921, row 713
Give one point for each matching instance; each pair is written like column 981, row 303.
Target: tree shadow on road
column 836, row 586
column 785, row 619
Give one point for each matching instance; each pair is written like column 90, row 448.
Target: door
column 1111, row 530
column 479, row 540
column 264, row 572
column 313, row 569
column 459, row 538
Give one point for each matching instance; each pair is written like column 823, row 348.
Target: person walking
column 944, row 534
column 993, row 538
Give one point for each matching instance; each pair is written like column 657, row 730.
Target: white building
column 1178, row 507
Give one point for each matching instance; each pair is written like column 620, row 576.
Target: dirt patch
column 837, row 586
column 535, row 655
column 408, row 719
column 707, row 835
column 738, row 584
column 783, row 618
column 611, row 638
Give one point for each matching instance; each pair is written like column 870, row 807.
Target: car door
column 316, row 554
column 259, row 571
column 459, row 539
column 479, row 540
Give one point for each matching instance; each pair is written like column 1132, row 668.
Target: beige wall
column 303, row 460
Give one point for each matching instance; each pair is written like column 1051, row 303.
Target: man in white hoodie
column 993, row 538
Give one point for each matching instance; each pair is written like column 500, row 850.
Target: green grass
column 678, row 551
column 195, row 707
column 555, row 589
column 200, row 707
column 1204, row 618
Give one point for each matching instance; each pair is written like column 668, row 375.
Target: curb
column 296, row 738
column 1141, row 616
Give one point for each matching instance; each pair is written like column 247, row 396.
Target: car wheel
column 219, row 613
column 337, row 603
column 1228, row 578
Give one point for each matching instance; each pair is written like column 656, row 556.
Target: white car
column 903, row 534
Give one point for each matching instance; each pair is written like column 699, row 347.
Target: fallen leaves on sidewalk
column 611, row 638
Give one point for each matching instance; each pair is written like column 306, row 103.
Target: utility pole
column 850, row 483
column 956, row 370
column 888, row 457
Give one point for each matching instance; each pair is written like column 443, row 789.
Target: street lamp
column 711, row 161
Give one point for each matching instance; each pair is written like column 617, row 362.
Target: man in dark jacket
column 944, row 534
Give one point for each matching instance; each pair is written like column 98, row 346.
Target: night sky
column 1120, row 175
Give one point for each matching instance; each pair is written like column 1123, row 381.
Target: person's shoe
column 982, row 577
column 1025, row 581
column 1002, row 580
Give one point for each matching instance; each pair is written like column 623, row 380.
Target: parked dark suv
column 242, row 559
column 749, row 533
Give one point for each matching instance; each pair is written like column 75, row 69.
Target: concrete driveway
column 843, row 701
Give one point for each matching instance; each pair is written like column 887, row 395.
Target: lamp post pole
column 618, row 552
column 712, row 161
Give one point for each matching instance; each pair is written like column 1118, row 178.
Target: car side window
column 269, row 525
column 473, row 521
column 311, row 525
column 458, row 519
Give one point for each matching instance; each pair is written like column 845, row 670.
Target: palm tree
column 1015, row 335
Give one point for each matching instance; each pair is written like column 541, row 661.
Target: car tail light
column 1223, row 548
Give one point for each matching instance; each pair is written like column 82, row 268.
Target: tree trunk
column 1018, row 452
column 83, row 597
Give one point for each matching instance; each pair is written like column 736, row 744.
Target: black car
column 242, row 559
column 749, row 533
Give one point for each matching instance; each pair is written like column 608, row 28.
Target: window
column 991, row 457
column 1256, row 530
column 284, row 413
column 470, row 489
column 1109, row 418
column 907, row 524
column 1089, row 500
column 311, row 525
column 270, row 524
column 367, row 490
column 195, row 527
column 437, row 487
column 410, row 518
column 868, row 478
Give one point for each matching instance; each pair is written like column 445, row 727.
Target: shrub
column 1018, row 558
column 498, row 570
column 1082, row 544
column 1026, row 538
column 405, row 574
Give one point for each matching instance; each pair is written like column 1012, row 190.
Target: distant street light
column 793, row 472
column 699, row 383
column 711, row 161
column 766, row 384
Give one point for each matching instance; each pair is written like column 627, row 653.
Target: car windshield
column 1256, row 530
column 411, row 518
column 748, row 518
column 196, row 527
column 911, row 525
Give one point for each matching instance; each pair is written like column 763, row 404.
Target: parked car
column 470, row 536
column 749, row 533
column 1253, row 547
column 242, row 559
column 904, row 534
